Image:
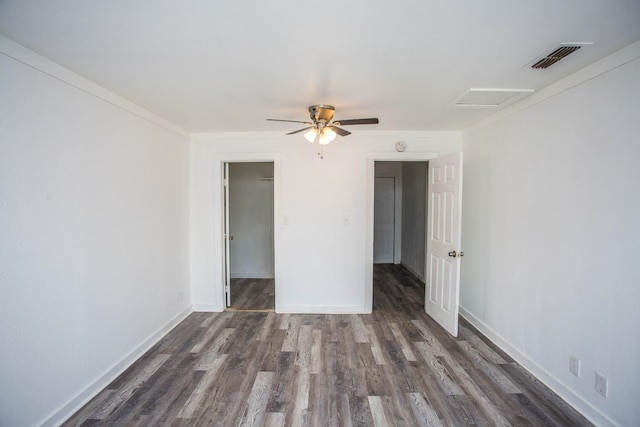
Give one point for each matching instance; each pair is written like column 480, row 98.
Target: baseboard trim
column 568, row 395
column 206, row 308
column 81, row 399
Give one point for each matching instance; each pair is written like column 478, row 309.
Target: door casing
column 218, row 260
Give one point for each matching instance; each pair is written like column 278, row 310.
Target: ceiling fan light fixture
column 326, row 136
column 322, row 127
column 310, row 135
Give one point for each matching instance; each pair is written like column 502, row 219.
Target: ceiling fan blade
column 339, row 131
column 300, row 130
column 372, row 121
column 290, row 121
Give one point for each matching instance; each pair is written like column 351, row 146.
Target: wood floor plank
column 303, row 348
column 404, row 344
column 275, row 419
column 127, row 390
column 211, row 333
column 301, row 397
column 490, row 370
column 377, row 412
column 447, row 383
column 199, row 394
column 480, row 399
column 283, row 388
column 360, row 332
column 487, row 352
column 395, row 366
column 214, row 350
column 378, row 355
column 316, row 352
column 435, row 397
column 360, row 411
column 267, row 328
column 258, row 398
column 424, row 414
column 293, row 329
column 82, row 417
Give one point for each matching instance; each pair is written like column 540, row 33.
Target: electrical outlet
column 602, row 384
column 574, row 366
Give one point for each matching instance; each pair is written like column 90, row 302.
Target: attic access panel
column 489, row 97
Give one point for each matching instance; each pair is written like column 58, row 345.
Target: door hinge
column 226, row 182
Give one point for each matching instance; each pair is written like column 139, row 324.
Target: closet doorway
column 249, row 236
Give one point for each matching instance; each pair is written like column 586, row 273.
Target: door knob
column 453, row 254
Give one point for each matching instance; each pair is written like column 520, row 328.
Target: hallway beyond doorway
column 252, row 295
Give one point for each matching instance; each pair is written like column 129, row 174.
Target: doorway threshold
column 253, row 310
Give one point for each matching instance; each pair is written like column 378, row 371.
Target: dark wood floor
column 253, row 294
column 392, row 367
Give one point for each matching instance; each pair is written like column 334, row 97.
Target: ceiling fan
column 321, row 128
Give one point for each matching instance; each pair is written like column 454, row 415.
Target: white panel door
column 444, row 219
column 384, row 220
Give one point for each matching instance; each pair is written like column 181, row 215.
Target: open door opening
column 427, row 214
column 399, row 219
column 249, row 236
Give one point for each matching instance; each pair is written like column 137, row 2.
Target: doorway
column 441, row 234
column 399, row 211
column 249, row 236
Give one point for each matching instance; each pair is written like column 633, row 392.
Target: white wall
column 551, row 234
column 321, row 264
column 251, row 220
column 414, row 216
column 94, row 236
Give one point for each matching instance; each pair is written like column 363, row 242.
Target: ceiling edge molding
column 31, row 59
column 598, row 68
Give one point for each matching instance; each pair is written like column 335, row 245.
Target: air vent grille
column 556, row 55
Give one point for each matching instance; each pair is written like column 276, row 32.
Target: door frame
column 373, row 157
column 218, row 260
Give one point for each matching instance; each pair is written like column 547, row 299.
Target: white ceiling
column 214, row 65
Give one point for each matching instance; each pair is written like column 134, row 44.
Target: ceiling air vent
column 561, row 52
